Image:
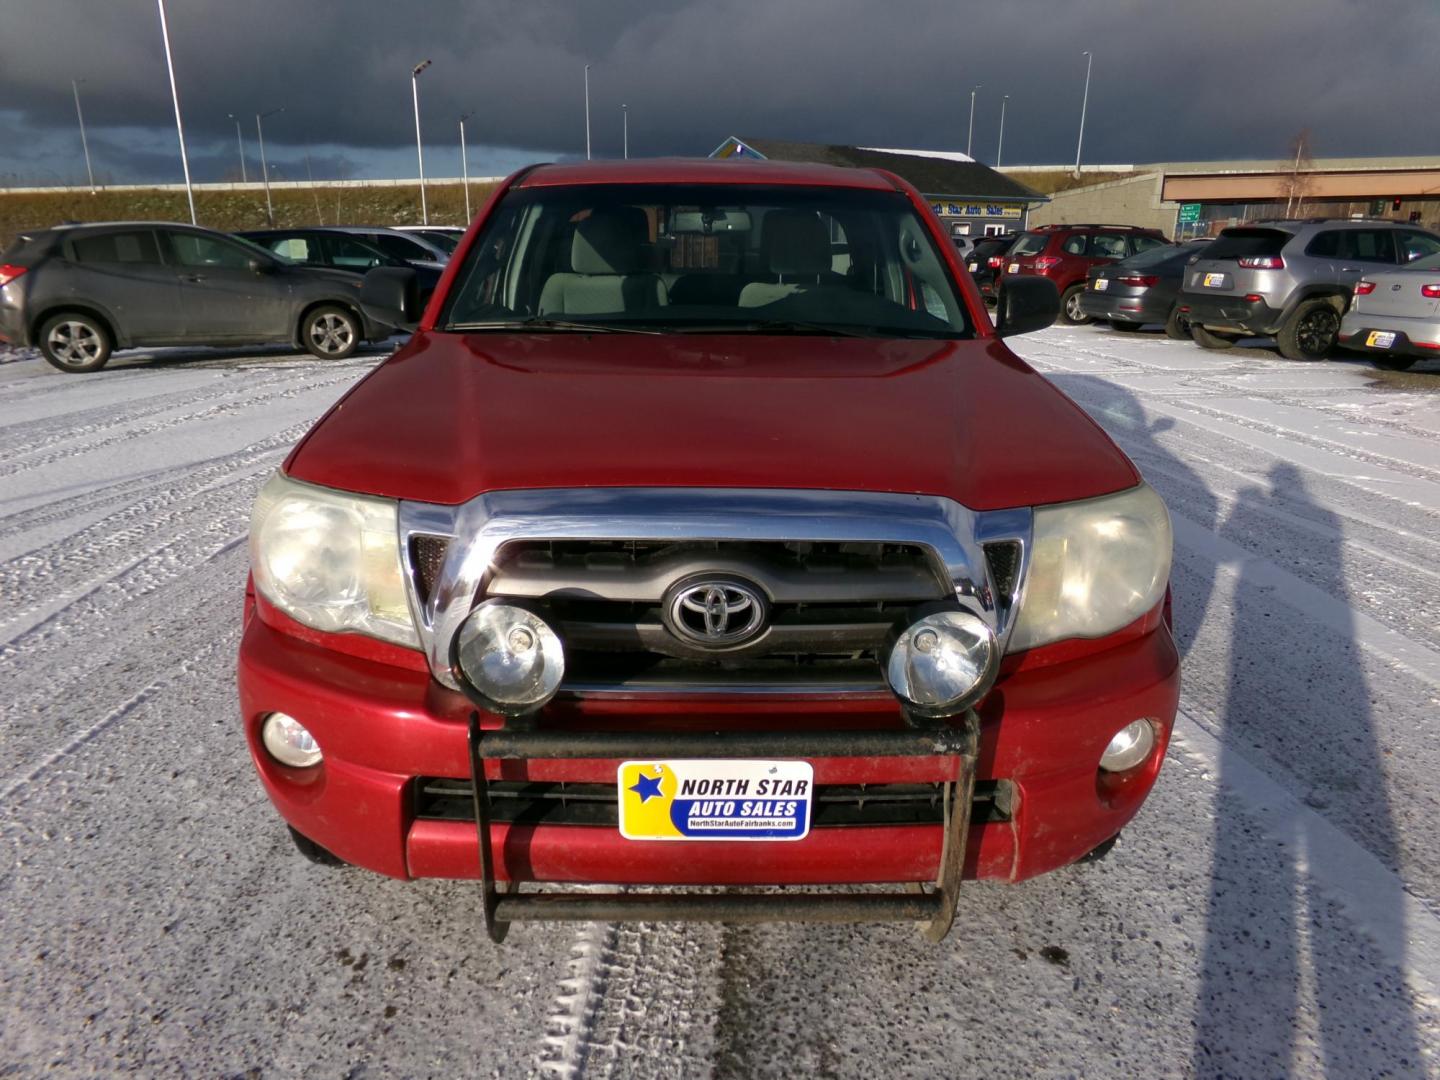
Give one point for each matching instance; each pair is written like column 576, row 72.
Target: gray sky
column 1172, row 80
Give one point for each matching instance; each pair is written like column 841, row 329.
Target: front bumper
column 1232, row 313
column 1041, row 731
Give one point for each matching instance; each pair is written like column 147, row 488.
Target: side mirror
column 1027, row 304
column 261, row 266
column 390, row 295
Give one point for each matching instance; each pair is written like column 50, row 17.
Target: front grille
column 832, row 606
column 1004, row 559
column 836, row 805
column 427, row 556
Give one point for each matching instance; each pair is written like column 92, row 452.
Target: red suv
column 706, row 532
column 1067, row 253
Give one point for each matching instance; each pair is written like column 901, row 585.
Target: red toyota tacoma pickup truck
column 706, row 533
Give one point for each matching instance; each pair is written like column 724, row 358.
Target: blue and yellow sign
column 715, row 800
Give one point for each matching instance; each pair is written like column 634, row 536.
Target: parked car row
column 1371, row 285
column 78, row 292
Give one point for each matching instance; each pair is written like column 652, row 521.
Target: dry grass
column 233, row 210
column 1048, row 183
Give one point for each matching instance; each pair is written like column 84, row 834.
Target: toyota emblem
column 715, row 612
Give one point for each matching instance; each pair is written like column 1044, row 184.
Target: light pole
column 970, row 139
column 625, row 122
column 587, row 112
column 179, row 126
column 465, row 166
column 83, row 143
column 419, row 149
column 240, row 141
column 1001, row 145
column 265, row 169
column 1084, row 101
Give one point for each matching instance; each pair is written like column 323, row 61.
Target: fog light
column 289, row 742
column 1129, row 747
column 508, row 658
column 942, row 662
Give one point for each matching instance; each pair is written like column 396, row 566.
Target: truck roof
column 704, row 171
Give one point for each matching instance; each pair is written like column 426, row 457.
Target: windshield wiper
column 537, row 323
column 775, row 326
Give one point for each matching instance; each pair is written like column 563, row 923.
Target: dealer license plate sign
column 970, row 267
column 715, row 800
column 1014, row 268
column 1101, row 284
column 1380, row 339
column 1214, row 281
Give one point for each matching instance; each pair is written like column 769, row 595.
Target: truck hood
column 451, row 416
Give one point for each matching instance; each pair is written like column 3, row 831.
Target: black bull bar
column 935, row 907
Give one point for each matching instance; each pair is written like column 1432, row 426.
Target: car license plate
column 715, row 800
column 1214, row 281
column 1101, row 284
column 970, row 267
column 1014, row 268
column 1380, row 339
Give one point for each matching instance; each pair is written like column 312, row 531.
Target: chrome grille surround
column 954, row 535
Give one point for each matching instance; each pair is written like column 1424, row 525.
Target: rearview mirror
column 390, row 295
column 261, row 266
column 1027, row 304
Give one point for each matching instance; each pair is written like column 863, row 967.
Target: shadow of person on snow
column 1285, row 979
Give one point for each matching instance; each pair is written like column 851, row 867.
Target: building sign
column 1189, row 213
column 950, row 209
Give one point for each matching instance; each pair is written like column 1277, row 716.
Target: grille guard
column 953, row 534
column 957, row 738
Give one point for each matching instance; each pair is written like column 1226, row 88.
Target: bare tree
column 1299, row 168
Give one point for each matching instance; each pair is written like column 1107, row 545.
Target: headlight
column 1095, row 566
column 942, row 662
column 508, row 657
column 331, row 560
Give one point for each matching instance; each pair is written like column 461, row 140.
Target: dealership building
column 971, row 199
column 1199, row 198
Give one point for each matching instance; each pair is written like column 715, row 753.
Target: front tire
column 75, row 343
column 1209, row 340
column 1070, row 312
column 314, row 852
column 330, row 332
column 1177, row 326
column 1310, row 332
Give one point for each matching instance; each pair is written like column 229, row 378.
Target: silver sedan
column 1394, row 315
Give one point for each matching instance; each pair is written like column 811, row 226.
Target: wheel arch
column 297, row 337
column 118, row 339
column 1338, row 295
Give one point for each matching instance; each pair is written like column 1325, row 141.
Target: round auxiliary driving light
column 1129, row 747
column 942, row 662
column 508, row 658
column 289, row 742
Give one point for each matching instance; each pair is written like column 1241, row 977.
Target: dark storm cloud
column 1173, row 79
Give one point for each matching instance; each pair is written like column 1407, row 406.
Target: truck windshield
column 721, row 258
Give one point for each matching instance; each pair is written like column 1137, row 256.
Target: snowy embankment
column 1275, row 910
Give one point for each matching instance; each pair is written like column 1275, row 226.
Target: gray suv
column 77, row 292
column 1290, row 279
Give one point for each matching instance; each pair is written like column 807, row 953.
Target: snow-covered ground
column 1274, row 911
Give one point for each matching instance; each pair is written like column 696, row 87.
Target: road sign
column 1189, row 213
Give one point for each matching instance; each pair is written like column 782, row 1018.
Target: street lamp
column 1084, row 101
column 625, row 121
column 179, row 126
column 265, row 169
column 240, row 141
column 970, row 139
column 464, row 166
column 1001, row 146
column 83, row 143
column 419, row 149
column 587, row 112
